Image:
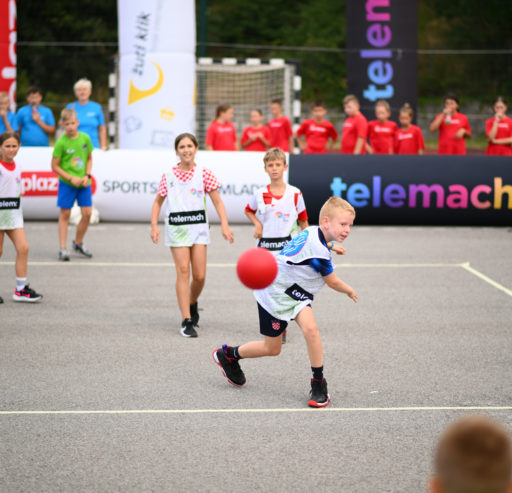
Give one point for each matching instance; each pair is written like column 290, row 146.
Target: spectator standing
column 7, row 117
column 281, row 134
column 355, row 128
column 256, row 137
column 316, row 135
column 381, row 132
column 453, row 127
column 35, row 121
column 221, row 134
column 408, row 138
column 497, row 128
column 90, row 114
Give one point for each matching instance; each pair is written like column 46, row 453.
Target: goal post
column 245, row 84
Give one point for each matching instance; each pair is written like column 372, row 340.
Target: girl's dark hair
column 9, row 135
column 258, row 110
column 222, row 108
column 185, row 135
column 500, row 99
column 452, row 95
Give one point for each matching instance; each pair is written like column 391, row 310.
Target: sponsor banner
column 156, row 72
column 8, row 49
column 125, row 182
column 382, row 62
column 434, row 190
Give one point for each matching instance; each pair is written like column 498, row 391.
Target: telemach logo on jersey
column 187, row 217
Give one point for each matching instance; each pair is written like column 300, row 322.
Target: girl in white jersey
column 11, row 215
column 187, row 231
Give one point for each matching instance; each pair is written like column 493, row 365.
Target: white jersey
column 278, row 216
column 11, row 215
column 295, row 284
column 187, row 223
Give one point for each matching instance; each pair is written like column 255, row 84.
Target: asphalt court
column 116, row 400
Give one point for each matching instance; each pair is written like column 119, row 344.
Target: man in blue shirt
column 90, row 114
column 35, row 121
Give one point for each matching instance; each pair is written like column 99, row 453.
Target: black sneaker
column 283, row 339
column 230, row 367
column 63, row 255
column 1, row 300
column 187, row 328
column 79, row 248
column 194, row 314
column 27, row 295
column 318, row 397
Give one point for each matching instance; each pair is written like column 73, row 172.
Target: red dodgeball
column 256, row 268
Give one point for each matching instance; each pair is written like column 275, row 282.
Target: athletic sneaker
column 230, row 367
column 194, row 314
column 318, row 397
column 283, row 339
column 63, row 255
column 187, row 328
column 1, row 300
column 26, row 294
column 79, row 248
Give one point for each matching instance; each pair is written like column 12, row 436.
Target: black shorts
column 269, row 325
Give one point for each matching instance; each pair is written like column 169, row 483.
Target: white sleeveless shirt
column 11, row 214
column 295, row 284
column 186, row 219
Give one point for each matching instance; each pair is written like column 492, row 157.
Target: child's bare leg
column 19, row 240
column 270, row 346
column 306, row 321
column 2, row 234
column 198, row 261
column 82, row 226
column 181, row 256
column 63, row 226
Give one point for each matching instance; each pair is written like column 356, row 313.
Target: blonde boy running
column 305, row 265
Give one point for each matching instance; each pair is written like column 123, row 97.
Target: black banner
column 435, row 190
column 382, row 62
column 187, row 217
column 274, row 244
column 10, row 203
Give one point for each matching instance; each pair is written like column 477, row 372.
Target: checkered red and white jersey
column 210, row 181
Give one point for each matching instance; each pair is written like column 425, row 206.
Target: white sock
column 21, row 282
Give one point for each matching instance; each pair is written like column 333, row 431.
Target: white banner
column 125, row 182
column 156, row 72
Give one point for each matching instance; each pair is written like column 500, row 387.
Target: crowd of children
column 317, row 135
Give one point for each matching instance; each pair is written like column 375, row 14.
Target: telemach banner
column 8, row 49
column 382, row 61
column 414, row 190
column 156, row 72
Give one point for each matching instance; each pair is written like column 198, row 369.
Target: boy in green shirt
column 72, row 161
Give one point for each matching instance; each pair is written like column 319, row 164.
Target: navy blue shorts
column 68, row 194
column 269, row 325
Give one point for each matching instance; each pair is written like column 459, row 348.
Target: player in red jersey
column 453, row 127
column 408, row 138
column 355, row 128
column 221, row 134
column 281, row 134
column 499, row 131
column 316, row 135
column 256, row 137
column 381, row 132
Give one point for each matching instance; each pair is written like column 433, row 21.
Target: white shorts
column 11, row 219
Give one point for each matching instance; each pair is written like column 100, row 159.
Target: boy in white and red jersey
column 281, row 134
column 275, row 209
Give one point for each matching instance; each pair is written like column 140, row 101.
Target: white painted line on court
column 86, row 263
column 497, row 285
column 263, row 411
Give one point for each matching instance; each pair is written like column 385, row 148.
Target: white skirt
column 11, row 219
column 187, row 235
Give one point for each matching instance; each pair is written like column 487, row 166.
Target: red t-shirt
column 280, row 132
column 504, row 131
column 353, row 128
column 447, row 143
column 221, row 136
column 256, row 145
column 409, row 141
column 381, row 136
column 317, row 134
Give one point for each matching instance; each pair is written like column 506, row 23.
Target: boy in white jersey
column 275, row 209
column 305, row 265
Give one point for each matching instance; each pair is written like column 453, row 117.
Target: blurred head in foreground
column 473, row 456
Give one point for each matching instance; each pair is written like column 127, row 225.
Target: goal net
column 245, row 84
